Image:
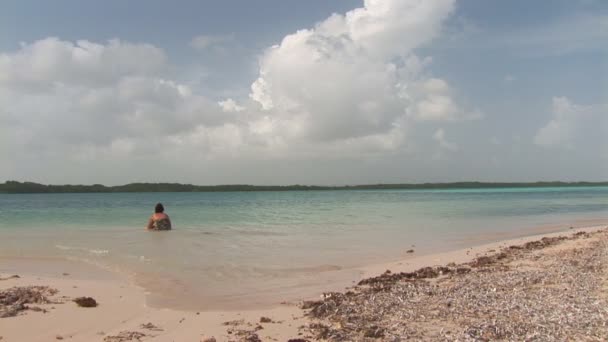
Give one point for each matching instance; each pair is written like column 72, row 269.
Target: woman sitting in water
column 159, row 220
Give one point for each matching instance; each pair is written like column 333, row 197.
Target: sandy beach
column 548, row 287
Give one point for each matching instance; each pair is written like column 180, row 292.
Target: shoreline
column 123, row 305
column 466, row 254
column 178, row 293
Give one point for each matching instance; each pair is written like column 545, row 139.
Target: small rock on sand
column 86, row 302
column 410, row 251
column 265, row 320
column 208, row 339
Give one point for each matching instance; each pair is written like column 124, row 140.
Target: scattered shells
column 528, row 292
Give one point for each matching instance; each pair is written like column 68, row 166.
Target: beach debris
column 409, row 251
column 251, row 337
column 59, row 337
column 265, row 320
column 244, row 335
column 14, row 276
column 237, row 329
column 151, row 327
column 388, row 278
column 208, row 339
column 85, row 302
column 125, row 336
column 373, row 331
column 527, row 292
column 235, row 322
column 15, row 299
column 37, row 309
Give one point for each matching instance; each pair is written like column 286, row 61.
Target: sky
column 303, row 92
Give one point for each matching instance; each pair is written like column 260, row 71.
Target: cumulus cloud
column 356, row 75
column 573, row 124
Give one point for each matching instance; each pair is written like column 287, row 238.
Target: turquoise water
column 241, row 245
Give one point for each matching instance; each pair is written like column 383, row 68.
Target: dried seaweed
column 15, row 299
column 125, row 336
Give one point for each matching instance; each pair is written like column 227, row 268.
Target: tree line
column 31, row 187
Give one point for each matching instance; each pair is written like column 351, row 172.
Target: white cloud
column 204, row 42
column 229, row 106
column 49, row 62
column 58, row 93
column 573, row 124
column 356, row 75
column 439, row 136
column 434, row 102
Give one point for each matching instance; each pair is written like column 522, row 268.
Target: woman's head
column 159, row 208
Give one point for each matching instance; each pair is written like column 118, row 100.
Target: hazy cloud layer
column 575, row 126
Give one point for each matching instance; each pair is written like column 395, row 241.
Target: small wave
column 65, row 248
column 90, row 251
column 140, row 258
column 298, row 270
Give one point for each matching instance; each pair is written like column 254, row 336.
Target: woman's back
column 161, row 221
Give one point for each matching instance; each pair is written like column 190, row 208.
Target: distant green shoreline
column 15, row 187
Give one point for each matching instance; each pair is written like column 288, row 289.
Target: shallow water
column 253, row 248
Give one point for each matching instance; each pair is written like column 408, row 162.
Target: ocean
column 241, row 249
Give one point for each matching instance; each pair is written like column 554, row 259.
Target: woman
column 159, row 220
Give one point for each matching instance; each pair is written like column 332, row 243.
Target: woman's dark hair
column 159, row 208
